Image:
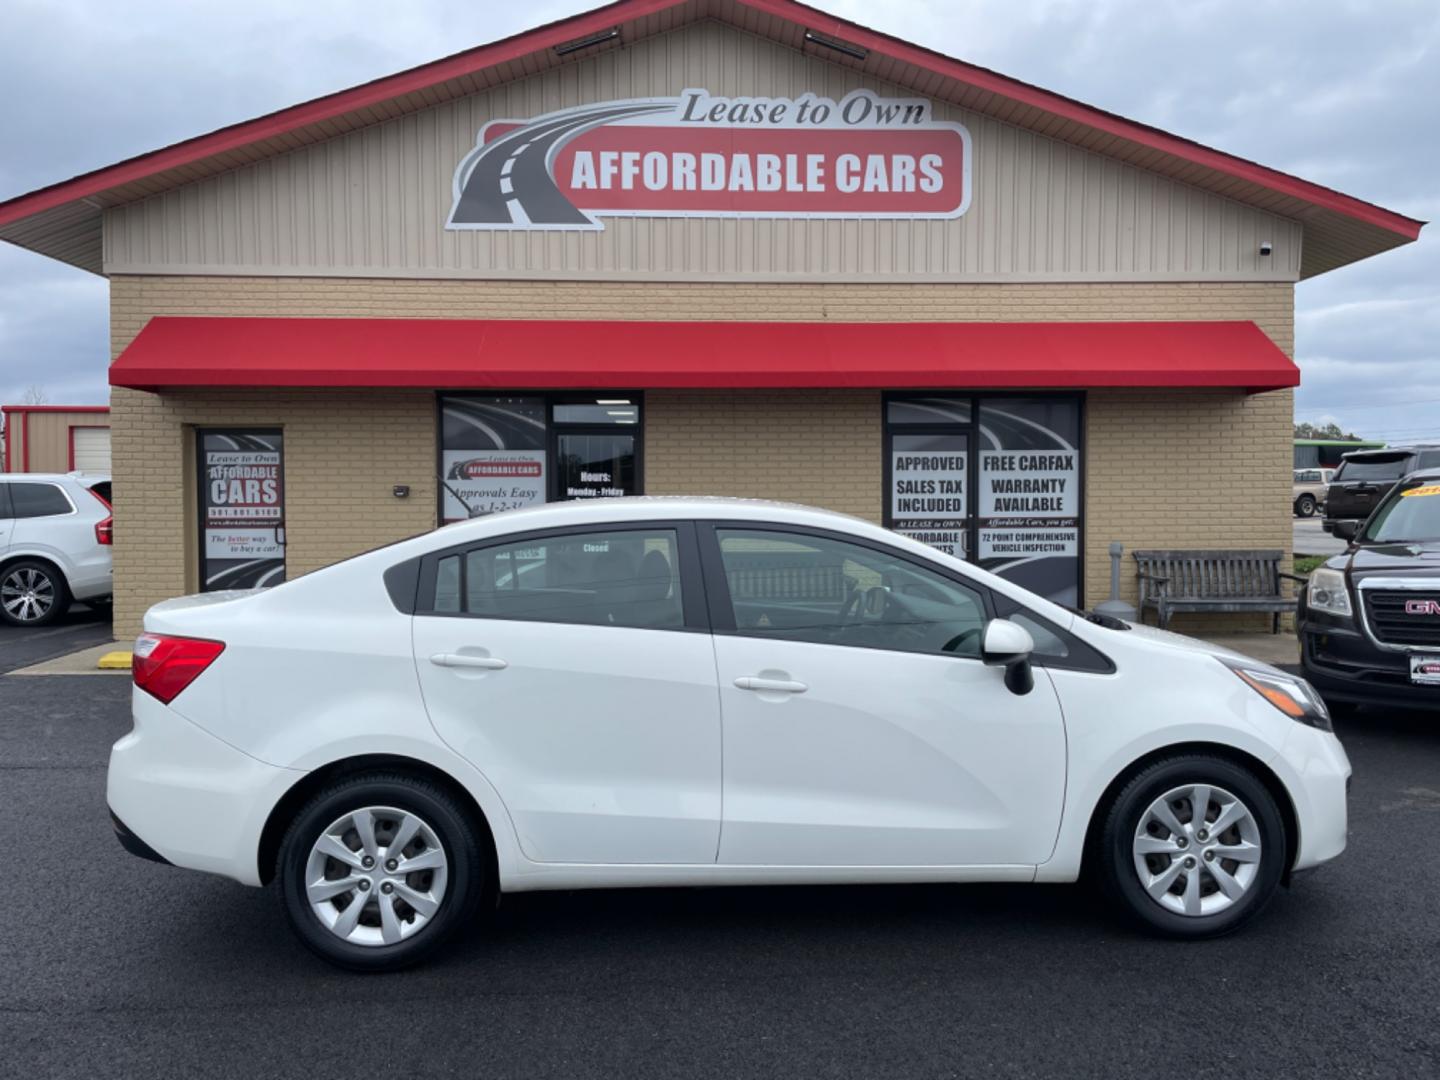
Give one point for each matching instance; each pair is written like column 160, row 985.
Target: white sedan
column 633, row 692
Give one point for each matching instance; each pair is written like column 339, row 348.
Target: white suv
column 55, row 539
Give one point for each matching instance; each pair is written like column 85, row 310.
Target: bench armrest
column 1152, row 577
column 1301, row 578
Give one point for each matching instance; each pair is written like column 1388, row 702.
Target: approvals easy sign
column 697, row 155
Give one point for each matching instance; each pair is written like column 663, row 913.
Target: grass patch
column 1305, row 563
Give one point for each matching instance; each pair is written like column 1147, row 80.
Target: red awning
column 522, row 354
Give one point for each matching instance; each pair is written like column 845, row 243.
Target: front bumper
column 1346, row 666
column 187, row 798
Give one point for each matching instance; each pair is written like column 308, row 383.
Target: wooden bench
column 1222, row 581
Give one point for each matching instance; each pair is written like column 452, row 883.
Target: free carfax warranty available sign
column 696, row 155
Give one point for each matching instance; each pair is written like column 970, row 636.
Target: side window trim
column 692, row 586
column 717, row 585
column 5, row 514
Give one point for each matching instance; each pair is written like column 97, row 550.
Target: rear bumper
column 187, row 798
column 133, row 844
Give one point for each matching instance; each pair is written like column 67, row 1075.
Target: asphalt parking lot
column 78, row 628
column 1309, row 537
column 118, row 967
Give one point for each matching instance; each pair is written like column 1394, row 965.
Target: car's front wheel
column 1193, row 846
column 378, row 871
column 32, row 593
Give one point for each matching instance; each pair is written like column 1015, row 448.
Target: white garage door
column 92, row 449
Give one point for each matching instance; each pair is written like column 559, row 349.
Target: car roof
column 656, row 508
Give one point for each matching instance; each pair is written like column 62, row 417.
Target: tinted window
column 812, row 588
column 1373, row 468
column 1428, row 460
column 28, row 499
column 629, row 578
column 103, row 490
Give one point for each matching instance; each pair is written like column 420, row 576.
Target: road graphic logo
column 697, row 155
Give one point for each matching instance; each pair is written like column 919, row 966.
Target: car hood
column 1190, row 644
column 1421, row 556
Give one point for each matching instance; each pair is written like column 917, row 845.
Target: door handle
column 450, row 659
column 782, row 686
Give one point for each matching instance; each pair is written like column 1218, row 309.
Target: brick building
column 732, row 247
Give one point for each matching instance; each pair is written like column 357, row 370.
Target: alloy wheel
column 376, row 876
column 27, row 594
column 1197, row 850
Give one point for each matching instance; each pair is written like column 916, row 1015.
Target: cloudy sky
column 1338, row 91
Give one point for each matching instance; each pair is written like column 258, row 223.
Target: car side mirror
column 1346, row 530
column 1009, row 645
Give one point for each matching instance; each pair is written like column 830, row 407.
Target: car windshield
column 1411, row 514
column 1372, row 468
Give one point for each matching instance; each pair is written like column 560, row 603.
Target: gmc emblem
column 1422, row 607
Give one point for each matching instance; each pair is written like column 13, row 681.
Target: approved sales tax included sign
column 697, row 155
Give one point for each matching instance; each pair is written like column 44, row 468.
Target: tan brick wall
column 344, row 452
column 1226, row 454
column 1185, row 469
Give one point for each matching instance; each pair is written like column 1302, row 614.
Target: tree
column 1331, row 430
column 34, row 395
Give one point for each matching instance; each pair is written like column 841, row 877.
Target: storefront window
column 504, row 452
column 1018, row 455
column 242, row 508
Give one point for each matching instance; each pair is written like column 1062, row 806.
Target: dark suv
column 1369, row 619
column 1366, row 476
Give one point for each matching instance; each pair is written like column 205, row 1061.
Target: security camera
column 1266, row 247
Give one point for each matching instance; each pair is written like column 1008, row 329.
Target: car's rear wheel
column 1305, row 506
column 1193, row 846
column 378, row 871
column 32, row 593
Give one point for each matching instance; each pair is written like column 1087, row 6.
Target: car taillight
column 163, row 665
column 104, row 530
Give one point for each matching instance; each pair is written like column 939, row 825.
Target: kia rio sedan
column 635, row 692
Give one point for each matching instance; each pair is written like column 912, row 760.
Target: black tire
column 459, row 837
column 20, row 574
column 1305, row 506
column 1121, row 877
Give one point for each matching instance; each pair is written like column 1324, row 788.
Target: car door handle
column 782, row 686
column 450, row 659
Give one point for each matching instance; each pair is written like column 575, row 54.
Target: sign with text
column 698, row 155
column 928, row 496
column 242, row 507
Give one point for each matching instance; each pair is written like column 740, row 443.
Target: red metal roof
column 573, row 354
column 136, row 176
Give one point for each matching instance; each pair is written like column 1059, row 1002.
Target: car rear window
column 1373, row 468
column 29, row 499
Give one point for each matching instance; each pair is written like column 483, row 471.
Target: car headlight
column 1325, row 591
column 1291, row 694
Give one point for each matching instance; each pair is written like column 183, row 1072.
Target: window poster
column 929, row 500
column 492, row 455
column 1029, row 497
column 242, row 509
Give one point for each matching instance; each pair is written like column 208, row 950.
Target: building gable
column 375, row 202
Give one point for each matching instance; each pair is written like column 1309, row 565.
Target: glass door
column 595, row 464
column 241, row 484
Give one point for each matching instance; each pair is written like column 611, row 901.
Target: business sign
column 492, row 455
column 697, row 155
column 1029, row 493
column 928, row 497
column 242, row 504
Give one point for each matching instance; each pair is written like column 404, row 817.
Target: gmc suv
column 1365, row 477
column 1369, row 620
